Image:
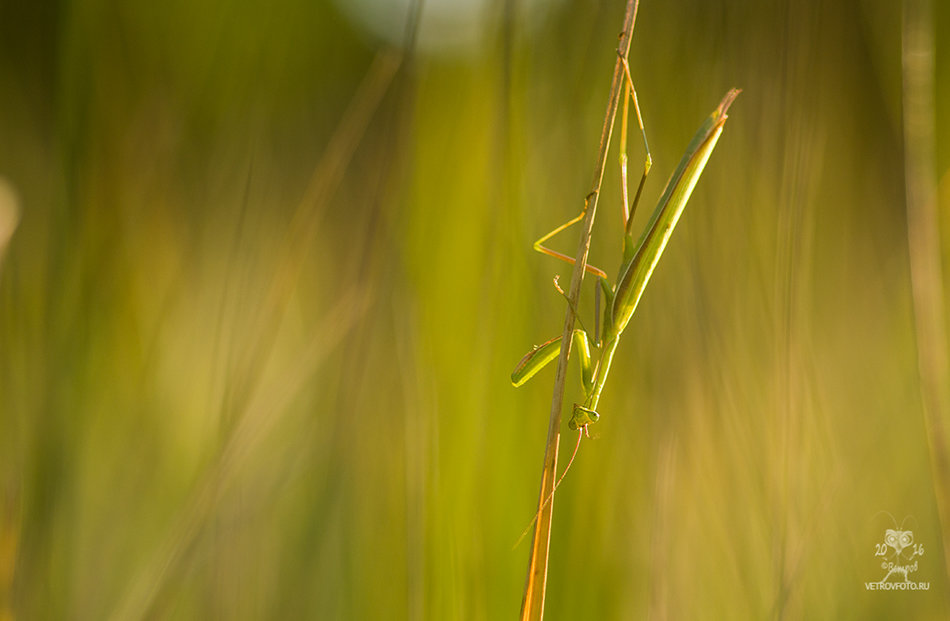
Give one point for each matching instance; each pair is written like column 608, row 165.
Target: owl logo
column 898, row 552
column 898, row 539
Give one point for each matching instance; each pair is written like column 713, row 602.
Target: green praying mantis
column 639, row 260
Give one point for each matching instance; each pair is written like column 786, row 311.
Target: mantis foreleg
column 541, row 355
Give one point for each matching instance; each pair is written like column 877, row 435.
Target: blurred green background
column 272, row 272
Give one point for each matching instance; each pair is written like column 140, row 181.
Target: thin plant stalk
column 532, row 606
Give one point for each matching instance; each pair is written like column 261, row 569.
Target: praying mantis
column 638, row 264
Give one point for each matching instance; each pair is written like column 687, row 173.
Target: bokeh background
column 271, row 269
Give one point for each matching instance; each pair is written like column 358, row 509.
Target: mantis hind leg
column 628, row 210
column 540, row 247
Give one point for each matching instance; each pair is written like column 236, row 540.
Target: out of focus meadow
column 270, row 269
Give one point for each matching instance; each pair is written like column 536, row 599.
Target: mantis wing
column 636, row 273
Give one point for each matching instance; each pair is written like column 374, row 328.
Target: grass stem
column 532, row 605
